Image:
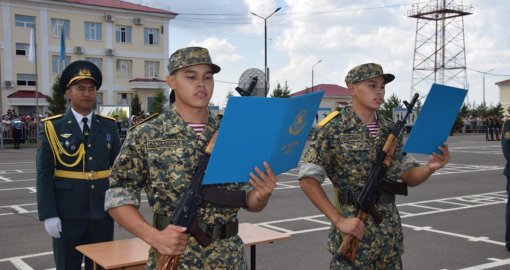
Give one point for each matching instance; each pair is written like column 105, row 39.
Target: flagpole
column 36, row 86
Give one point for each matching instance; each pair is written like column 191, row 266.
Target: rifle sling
column 349, row 197
column 399, row 188
column 224, row 197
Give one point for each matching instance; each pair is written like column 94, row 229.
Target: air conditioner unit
column 8, row 84
column 109, row 52
column 138, row 21
column 78, row 50
column 108, row 18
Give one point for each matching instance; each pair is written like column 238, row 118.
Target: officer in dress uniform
column 74, row 157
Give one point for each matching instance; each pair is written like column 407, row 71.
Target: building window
column 124, row 98
column 99, row 98
column 124, row 67
column 22, row 48
column 24, row 21
column 123, row 34
column 56, row 66
column 151, row 69
column 26, row 79
column 97, row 61
column 151, row 36
column 56, row 28
column 150, row 103
column 92, row 31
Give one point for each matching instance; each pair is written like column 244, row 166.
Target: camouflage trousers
column 381, row 246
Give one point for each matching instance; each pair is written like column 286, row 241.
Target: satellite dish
column 251, row 83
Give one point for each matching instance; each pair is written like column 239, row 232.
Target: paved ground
column 453, row 221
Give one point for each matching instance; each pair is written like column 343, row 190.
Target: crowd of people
column 490, row 125
column 18, row 128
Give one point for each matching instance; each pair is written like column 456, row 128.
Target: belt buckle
column 92, row 175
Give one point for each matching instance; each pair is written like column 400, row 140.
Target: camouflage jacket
column 345, row 152
column 160, row 157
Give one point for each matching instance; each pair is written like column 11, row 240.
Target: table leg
column 253, row 256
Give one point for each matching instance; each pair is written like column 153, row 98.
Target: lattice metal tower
column 439, row 52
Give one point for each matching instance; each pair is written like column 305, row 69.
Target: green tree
column 280, row 92
column 388, row 106
column 136, row 106
column 158, row 103
column 57, row 101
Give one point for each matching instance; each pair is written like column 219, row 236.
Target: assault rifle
column 368, row 196
column 186, row 212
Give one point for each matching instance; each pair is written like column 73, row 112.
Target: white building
column 128, row 42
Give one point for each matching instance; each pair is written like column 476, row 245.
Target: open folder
column 258, row 129
column 435, row 120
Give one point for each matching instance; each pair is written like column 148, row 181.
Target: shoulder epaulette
column 144, row 120
column 106, row 117
column 52, row 117
column 328, row 118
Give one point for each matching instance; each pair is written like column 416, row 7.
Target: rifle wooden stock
column 171, row 262
column 350, row 243
column 168, row 262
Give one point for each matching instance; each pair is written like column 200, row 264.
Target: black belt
column 214, row 231
column 220, row 231
column 350, row 197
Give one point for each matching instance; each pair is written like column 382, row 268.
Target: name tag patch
column 163, row 144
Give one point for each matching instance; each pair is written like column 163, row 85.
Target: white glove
column 53, row 226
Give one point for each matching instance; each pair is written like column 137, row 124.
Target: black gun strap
column 225, row 198
column 399, row 188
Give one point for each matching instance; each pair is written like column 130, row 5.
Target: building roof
column 330, row 90
column 503, row 82
column 146, row 80
column 26, row 94
column 120, row 5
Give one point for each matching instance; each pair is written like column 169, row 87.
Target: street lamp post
column 265, row 46
column 312, row 71
column 484, row 84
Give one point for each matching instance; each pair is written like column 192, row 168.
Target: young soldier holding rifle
column 160, row 156
column 346, row 150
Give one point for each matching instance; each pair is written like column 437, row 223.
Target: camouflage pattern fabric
column 190, row 56
column 367, row 71
column 160, row 157
column 344, row 152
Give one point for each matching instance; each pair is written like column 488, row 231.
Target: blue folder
column 435, row 120
column 258, row 129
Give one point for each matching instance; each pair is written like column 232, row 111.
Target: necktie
column 86, row 129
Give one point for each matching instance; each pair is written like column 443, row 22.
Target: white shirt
column 79, row 118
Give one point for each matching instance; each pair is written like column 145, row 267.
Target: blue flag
column 62, row 46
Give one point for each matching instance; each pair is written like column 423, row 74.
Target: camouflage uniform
column 344, row 152
column 160, row 157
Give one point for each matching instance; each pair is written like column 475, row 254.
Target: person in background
column 505, row 146
column 76, row 152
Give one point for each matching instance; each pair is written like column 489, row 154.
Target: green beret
column 80, row 70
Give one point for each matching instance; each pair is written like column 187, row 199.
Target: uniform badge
column 109, row 146
column 65, row 135
column 73, row 147
column 507, row 135
column 66, row 143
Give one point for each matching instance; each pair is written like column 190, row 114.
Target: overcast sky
column 341, row 33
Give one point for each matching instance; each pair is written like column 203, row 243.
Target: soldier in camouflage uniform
column 160, row 156
column 344, row 150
